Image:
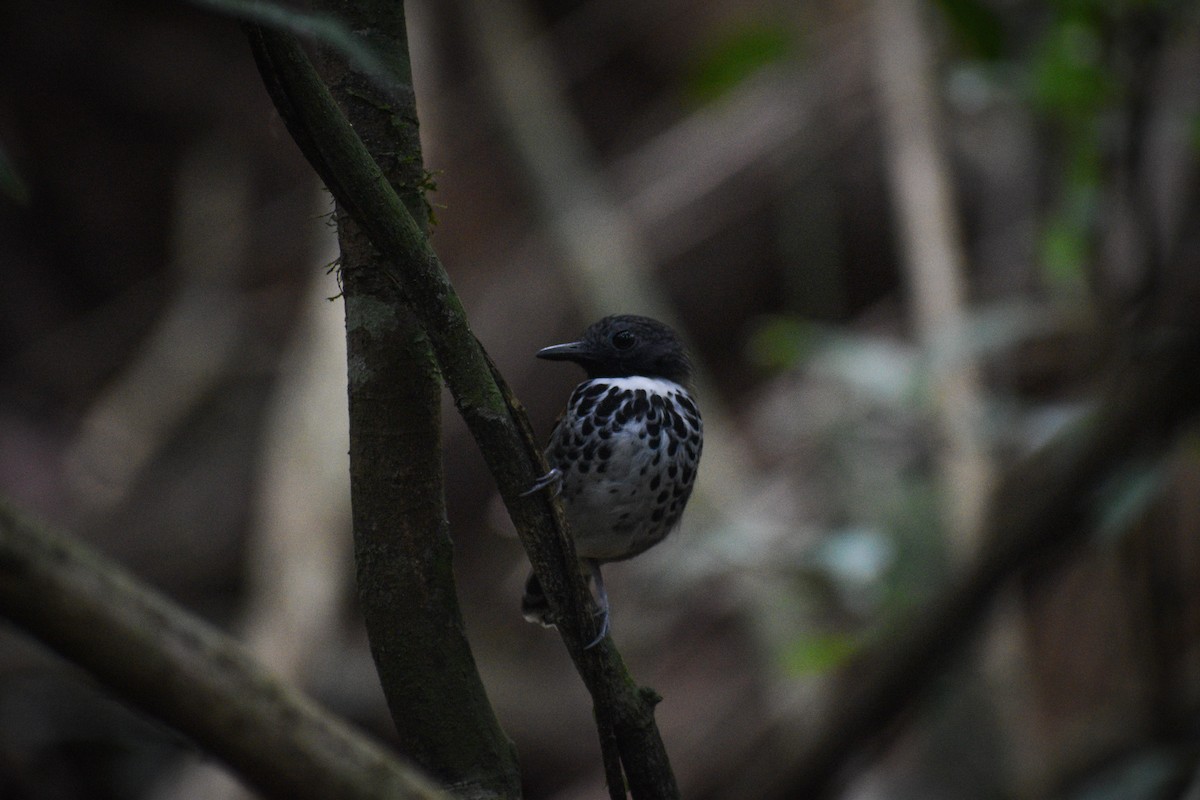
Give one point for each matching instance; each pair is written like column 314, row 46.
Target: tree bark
column 402, row 548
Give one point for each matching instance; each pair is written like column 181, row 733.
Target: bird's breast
column 628, row 449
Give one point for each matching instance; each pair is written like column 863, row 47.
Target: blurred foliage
column 1070, row 81
column 977, row 27
column 1071, row 87
column 813, row 654
column 1077, row 69
column 735, row 54
column 778, row 342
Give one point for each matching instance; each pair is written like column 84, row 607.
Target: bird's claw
column 601, row 603
column 551, row 478
column 604, row 626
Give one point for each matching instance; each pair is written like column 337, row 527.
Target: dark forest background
column 907, row 244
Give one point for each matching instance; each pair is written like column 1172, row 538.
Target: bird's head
column 625, row 345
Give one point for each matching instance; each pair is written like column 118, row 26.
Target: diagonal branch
column 181, row 670
column 494, row 418
column 1045, row 507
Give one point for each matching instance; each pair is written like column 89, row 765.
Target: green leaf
column 1070, row 79
column 735, row 56
column 818, row 653
column 779, row 342
column 1064, row 254
column 977, row 27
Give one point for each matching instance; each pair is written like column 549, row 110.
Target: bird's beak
column 571, row 351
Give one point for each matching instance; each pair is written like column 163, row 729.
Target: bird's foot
column 601, row 604
column 551, row 478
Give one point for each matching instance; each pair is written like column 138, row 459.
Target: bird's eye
column 623, row 340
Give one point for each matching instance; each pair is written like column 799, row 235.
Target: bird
column 624, row 453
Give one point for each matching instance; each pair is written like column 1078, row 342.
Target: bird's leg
column 551, row 478
column 601, row 602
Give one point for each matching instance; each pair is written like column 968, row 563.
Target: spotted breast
column 627, row 449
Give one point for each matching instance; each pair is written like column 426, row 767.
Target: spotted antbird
column 624, row 453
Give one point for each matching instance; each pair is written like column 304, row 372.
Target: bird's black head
column 625, row 345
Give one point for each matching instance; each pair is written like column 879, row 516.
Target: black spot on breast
column 604, row 452
column 654, row 443
column 608, row 406
column 653, row 428
column 663, row 497
column 681, row 429
column 688, row 406
column 595, row 390
column 672, row 470
column 605, row 433
column 587, row 427
column 686, row 477
column 582, row 466
column 655, row 481
column 657, row 515
column 640, row 404
column 656, row 460
column 602, row 468
column 672, row 447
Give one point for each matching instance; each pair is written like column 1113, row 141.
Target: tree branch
column 186, row 673
column 491, row 413
column 922, row 193
column 402, row 547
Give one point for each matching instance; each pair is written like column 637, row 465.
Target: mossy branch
column 494, row 417
column 403, row 554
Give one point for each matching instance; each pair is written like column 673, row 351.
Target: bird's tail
column 534, row 605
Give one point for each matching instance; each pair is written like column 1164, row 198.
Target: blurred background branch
column 934, row 263
column 176, row 668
